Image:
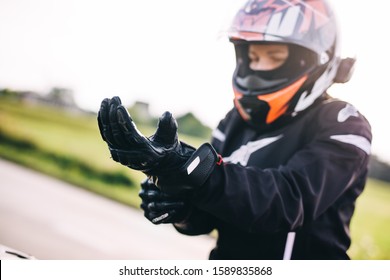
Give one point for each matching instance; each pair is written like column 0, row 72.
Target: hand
column 160, row 207
column 174, row 166
column 162, row 151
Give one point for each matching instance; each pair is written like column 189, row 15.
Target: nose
column 259, row 65
column 263, row 64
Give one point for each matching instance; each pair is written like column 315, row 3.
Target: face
column 267, row 57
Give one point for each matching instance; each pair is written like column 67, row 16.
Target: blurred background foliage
column 52, row 135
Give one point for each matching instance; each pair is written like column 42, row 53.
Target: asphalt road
column 50, row 219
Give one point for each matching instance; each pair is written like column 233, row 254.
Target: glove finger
column 166, row 133
column 147, row 194
column 144, row 205
column 147, row 183
column 137, row 151
column 150, row 192
column 101, row 128
column 152, row 195
column 118, row 138
column 103, row 122
column 114, row 155
column 157, row 195
column 99, row 118
column 165, row 206
column 128, row 128
column 141, row 192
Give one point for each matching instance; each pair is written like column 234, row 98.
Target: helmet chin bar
column 252, row 110
column 254, row 82
column 264, row 109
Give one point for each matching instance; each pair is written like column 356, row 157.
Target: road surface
column 50, row 219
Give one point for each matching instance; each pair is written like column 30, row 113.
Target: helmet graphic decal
column 315, row 12
column 306, row 99
column 278, row 18
column 254, row 6
column 283, row 25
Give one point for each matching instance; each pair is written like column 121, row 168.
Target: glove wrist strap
column 201, row 164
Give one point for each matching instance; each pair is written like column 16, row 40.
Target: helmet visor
column 255, row 82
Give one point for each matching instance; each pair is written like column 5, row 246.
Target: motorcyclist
column 287, row 163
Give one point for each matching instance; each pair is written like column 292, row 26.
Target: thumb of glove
column 166, row 133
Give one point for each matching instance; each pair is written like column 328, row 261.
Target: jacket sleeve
column 198, row 222
column 286, row 197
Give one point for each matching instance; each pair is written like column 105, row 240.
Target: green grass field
column 68, row 146
column 371, row 224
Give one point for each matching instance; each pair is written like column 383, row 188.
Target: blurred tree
column 190, row 125
column 379, row 169
column 61, row 97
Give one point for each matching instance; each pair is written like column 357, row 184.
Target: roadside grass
column 370, row 226
column 68, row 146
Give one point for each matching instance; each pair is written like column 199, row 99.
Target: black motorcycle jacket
column 288, row 192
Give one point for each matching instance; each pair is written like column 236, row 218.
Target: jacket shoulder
column 335, row 111
column 341, row 121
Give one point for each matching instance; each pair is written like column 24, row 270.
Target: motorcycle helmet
column 309, row 29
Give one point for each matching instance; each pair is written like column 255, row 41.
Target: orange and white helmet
column 309, row 29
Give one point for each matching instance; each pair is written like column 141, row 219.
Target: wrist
column 201, row 164
column 193, row 174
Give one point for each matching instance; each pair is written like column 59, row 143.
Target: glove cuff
column 201, row 164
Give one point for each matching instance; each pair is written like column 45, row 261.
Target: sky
column 172, row 54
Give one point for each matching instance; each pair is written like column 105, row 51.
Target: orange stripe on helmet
column 278, row 100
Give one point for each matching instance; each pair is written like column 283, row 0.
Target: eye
column 253, row 57
column 278, row 56
column 278, row 59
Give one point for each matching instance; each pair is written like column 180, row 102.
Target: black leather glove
column 174, row 165
column 160, row 207
column 162, row 151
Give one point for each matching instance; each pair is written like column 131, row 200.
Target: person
column 284, row 168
